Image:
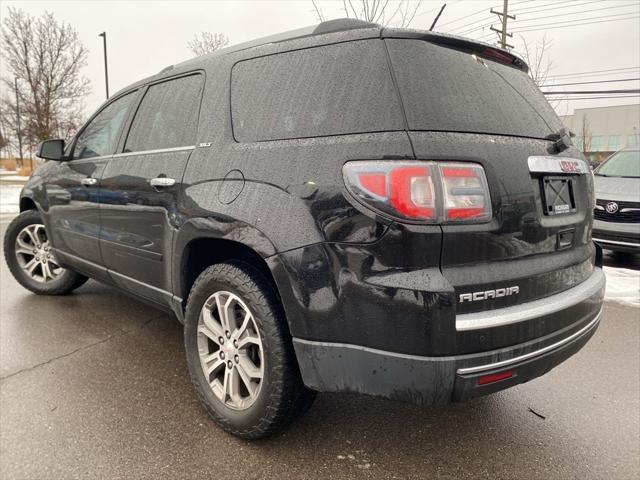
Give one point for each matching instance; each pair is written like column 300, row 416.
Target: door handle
column 88, row 182
column 160, row 182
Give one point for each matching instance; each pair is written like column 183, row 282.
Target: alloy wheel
column 230, row 350
column 34, row 254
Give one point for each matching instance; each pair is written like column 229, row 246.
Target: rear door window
column 329, row 90
column 167, row 116
column 450, row 90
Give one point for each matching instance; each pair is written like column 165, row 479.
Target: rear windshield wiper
column 561, row 140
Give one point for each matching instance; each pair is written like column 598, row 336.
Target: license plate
column 558, row 195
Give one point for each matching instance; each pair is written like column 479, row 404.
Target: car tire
column 46, row 277
column 264, row 348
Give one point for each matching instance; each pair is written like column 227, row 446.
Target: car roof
column 348, row 28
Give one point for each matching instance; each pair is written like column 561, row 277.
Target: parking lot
column 95, row 385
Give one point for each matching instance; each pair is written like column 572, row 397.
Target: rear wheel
column 239, row 352
column 29, row 257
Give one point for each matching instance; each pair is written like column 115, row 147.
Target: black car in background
column 617, row 212
column 341, row 208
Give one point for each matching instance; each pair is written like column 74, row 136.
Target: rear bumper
column 423, row 380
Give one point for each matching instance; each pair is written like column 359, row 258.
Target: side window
column 167, row 116
column 329, row 90
column 100, row 136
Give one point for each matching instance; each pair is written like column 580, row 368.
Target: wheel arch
column 201, row 243
column 27, row 203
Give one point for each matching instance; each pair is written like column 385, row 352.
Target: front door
column 140, row 187
column 73, row 191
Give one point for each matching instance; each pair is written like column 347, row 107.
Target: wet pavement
column 95, row 385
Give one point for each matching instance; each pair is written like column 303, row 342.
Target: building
column 600, row 131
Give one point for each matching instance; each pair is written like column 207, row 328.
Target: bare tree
column 46, row 56
column 399, row 13
column 586, row 135
column 207, row 42
column 537, row 57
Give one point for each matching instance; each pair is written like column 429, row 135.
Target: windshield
column 444, row 89
column 625, row 163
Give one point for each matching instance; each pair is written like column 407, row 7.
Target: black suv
column 341, row 208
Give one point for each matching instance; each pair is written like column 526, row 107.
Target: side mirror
column 51, row 150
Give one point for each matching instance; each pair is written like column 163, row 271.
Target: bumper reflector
column 494, row 377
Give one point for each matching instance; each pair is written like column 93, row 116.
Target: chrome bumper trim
column 530, row 310
column 527, row 356
column 616, row 242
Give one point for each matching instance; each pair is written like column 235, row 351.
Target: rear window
column 450, row 90
column 329, row 90
column 167, row 116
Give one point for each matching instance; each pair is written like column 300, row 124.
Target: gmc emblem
column 569, row 166
column 487, row 294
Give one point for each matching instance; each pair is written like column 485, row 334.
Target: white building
column 607, row 129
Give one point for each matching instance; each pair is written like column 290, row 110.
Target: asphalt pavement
column 95, row 385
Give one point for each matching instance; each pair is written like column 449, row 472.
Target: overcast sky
column 146, row 36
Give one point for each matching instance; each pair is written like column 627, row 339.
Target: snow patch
column 10, row 198
column 623, row 285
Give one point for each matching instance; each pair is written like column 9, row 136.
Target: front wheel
column 29, row 257
column 240, row 354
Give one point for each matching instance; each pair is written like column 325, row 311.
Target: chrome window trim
column 616, row 242
column 530, row 310
column 549, row 164
column 536, row 353
column 159, row 150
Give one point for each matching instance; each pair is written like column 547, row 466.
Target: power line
column 594, row 92
column 581, row 12
column 576, row 24
column 598, row 98
column 555, row 6
column 576, row 74
column 463, row 18
column 477, row 12
column 572, row 4
column 471, row 23
column 569, row 22
column 594, row 81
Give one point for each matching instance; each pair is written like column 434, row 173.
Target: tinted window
column 100, row 136
column 450, row 90
column 329, row 90
column 167, row 116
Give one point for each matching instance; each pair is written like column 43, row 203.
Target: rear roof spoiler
column 480, row 49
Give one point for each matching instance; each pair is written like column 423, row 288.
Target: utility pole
column 18, row 120
column 106, row 71
column 504, row 16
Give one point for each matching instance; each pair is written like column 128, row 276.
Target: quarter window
column 329, row 90
column 167, row 116
column 100, row 136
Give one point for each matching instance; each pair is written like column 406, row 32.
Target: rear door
column 463, row 107
column 141, row 186
column 73, row 191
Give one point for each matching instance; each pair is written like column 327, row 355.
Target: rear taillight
column 425, row 192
